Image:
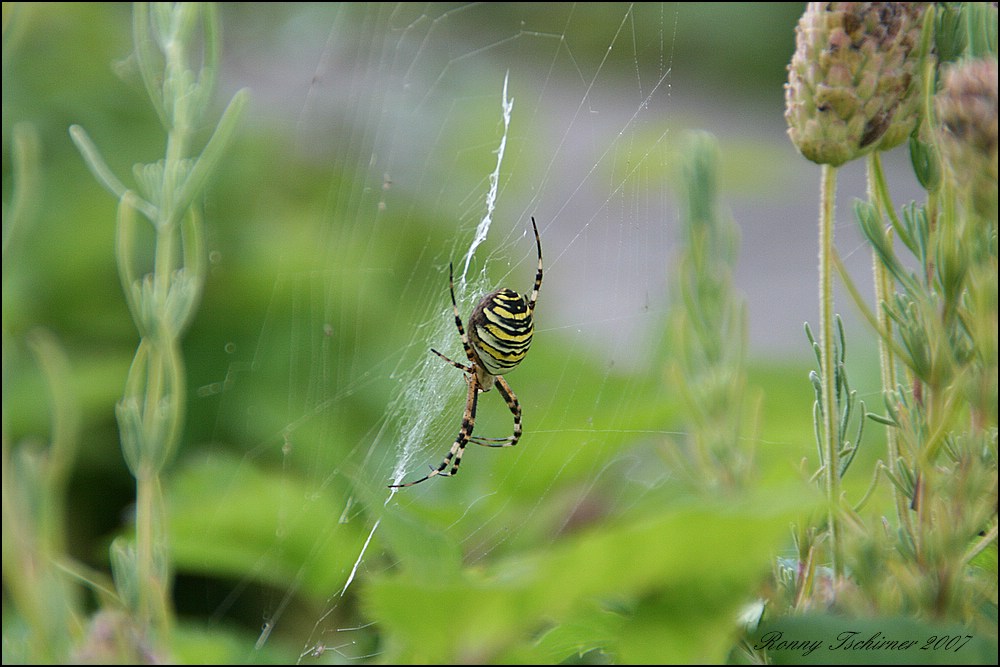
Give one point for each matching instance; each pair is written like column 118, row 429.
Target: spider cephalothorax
column 500, row 331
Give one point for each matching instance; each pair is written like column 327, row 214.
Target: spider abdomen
column 500, row 330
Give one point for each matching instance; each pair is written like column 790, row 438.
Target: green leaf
column 231, row 518
column 683, row 572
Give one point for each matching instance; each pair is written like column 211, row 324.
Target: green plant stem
column 828, row 192
column 162, row 298
column 150, row 552
column 878, row 192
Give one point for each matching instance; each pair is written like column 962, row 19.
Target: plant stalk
column 828, row 192
column 878, row 193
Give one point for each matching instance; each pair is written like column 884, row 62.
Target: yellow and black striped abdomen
column 500, row 330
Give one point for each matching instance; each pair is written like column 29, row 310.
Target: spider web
column 417, row 96
column 475, row 117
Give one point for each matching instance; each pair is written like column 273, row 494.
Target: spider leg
column 538, row 276
column 466, row 345
column 454, row 456
column 461, row 367
column 515, row 409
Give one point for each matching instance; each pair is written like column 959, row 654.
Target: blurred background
column 360, row 171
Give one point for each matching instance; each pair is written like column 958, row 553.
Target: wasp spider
column 500, row 330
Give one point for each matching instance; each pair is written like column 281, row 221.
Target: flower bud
column 967, row 130
column 853, row 85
